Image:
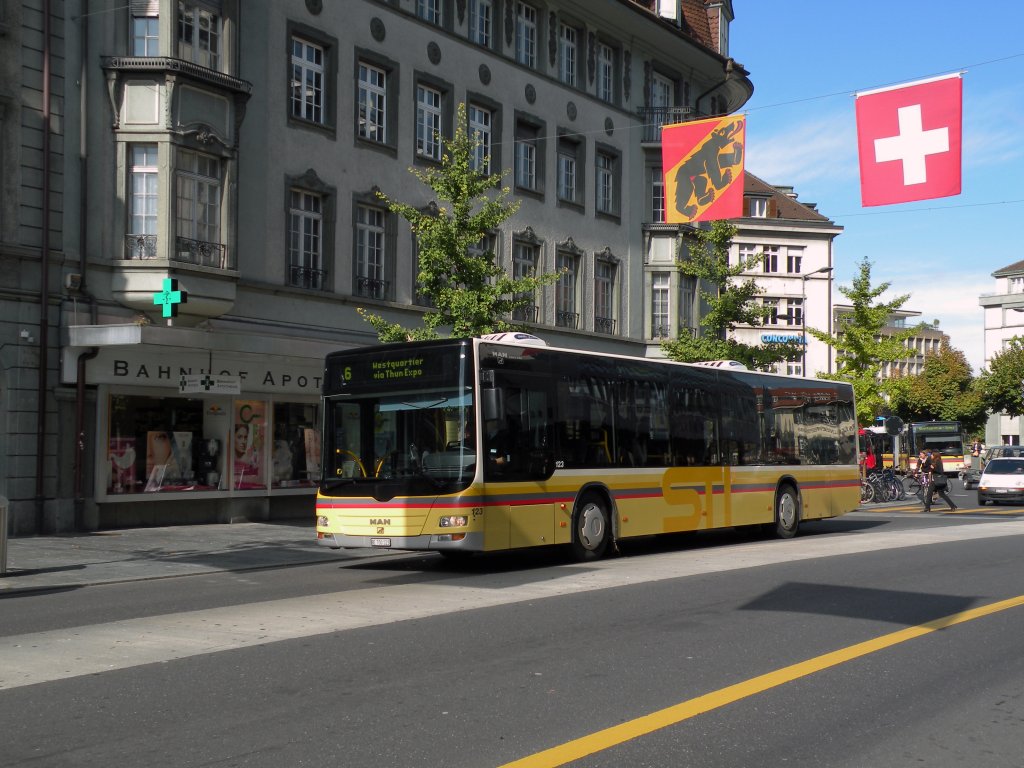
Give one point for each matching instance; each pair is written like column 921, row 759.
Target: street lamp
column 803, row 306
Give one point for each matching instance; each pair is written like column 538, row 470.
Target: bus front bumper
column 469, row 542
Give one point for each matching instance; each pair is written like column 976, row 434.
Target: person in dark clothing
column 937, row 482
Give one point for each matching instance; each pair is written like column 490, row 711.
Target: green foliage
column 944, row 391
column 1001, row 385
column 861, row 346
column 470, row 293
column 732, row 302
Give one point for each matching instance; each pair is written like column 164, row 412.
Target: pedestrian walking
column 937, row 482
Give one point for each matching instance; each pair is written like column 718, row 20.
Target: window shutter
column 145, row 7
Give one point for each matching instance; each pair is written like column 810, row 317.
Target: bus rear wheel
column 787, row 512
column 591, row 528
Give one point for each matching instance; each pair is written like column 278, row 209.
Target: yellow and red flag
column 703, row 166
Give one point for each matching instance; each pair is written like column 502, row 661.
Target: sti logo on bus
column 380, row 521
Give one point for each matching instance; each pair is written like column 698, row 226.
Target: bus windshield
column 398, row 438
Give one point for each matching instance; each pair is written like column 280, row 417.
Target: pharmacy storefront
column 187, row 434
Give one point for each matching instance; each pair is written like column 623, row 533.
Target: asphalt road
column 881, row 638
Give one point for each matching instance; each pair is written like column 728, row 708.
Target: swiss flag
column 908, row 139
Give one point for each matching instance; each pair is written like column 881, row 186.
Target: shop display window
column 158, row 444
column 295, row 454
column 163, row 444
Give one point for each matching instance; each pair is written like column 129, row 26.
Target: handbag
column 940, row 482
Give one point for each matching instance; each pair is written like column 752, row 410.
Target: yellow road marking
column 641, row 726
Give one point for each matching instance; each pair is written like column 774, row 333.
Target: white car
column 1002, row 480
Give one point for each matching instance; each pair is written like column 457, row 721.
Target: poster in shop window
column 249, row 444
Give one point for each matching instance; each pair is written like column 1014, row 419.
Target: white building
column 926, row 342
column 1004, row 319
column 796, row 272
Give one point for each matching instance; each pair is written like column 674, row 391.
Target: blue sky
column 807, row 58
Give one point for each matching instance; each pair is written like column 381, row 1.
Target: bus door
column 517, row 449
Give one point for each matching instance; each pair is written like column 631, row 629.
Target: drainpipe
column 83, row 220
column 44, row 283
column 715, row 87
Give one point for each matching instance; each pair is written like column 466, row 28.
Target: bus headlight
column 454, row 521
column 321, row 521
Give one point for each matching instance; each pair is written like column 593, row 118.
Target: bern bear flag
column 703, row 167
column 908, row 141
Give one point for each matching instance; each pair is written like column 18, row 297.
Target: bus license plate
column 380, row 542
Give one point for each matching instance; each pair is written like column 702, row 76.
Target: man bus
column 594, row 448
column 947, row 437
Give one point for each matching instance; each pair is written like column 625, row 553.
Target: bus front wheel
column 787, row 512
column 591, row 528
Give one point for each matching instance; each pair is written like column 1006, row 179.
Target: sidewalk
column 80, row 559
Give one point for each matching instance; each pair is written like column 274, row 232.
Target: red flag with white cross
column 909, row 139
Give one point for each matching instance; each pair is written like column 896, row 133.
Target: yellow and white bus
column 481, row 445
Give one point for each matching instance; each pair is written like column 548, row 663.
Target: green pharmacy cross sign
column 170, row 297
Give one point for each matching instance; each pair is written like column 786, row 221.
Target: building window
column 771, row 259
column 759, row 207
column 527, row 137
column 1016, row 284
column 662, row 91
column 687, row 301
column 480, row 130
column 605, row 73
column 524, row 264
column 198, row 209
column 566, row 316
column 794, row 260
column 657, row 196
column 794, row 312
column 307, row 98
column 773, row 314
column 569, row 180
column 370, row 253
column 607, row 174
column 146, row 35
column 372, row 103
column 660, row 282
column 526, row 35
column 567, row 47
column 480, row 22
column 429, row 11
column 428, row 122
column 747, row 252
column 604, row 304
column 145, row 175
column 198, row 35
column 305, row 240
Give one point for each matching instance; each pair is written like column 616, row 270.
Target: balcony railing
column 567, row 319
column 186, row 250
column 371, row 288
column 653, row 118
column 307, row 277
column 527, row 314
column 140, row 246
column 199, row 252
column 604, row 324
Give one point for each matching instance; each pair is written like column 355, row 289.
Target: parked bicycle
column 881, row 485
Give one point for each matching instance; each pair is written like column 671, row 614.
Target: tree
column 945, row 391
column 469, row 292
column 732, row 302
column 1001, row 385
column 862, row 346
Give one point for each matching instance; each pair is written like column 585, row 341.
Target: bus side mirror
column 492, row 404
